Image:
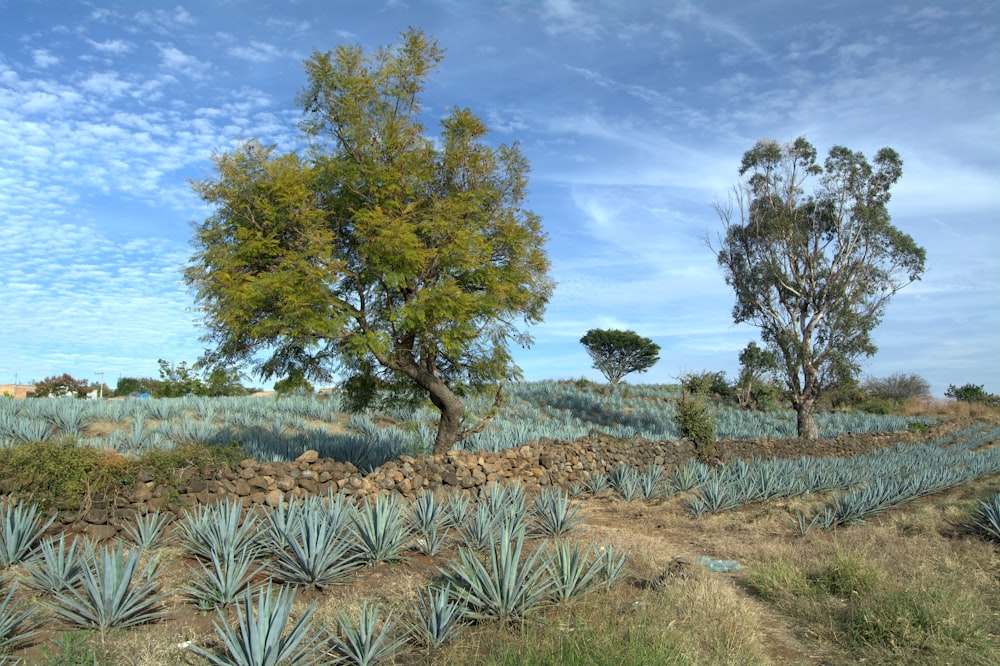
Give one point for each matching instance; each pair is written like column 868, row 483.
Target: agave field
column 510, row 552
column 497, row 558
column 280, row 430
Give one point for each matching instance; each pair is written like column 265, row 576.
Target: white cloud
column 43, row 58
column 176, row 60
column 256, row 52
column 112, row 46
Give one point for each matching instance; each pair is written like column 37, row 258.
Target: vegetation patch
column 62, row 476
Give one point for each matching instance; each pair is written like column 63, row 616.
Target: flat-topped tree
column 619, row 353
column 404, row 261
column 814, row 270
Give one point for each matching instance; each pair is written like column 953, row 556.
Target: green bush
column 972, row 393
column 707, row 383
column 60, row 475
column 696, row 424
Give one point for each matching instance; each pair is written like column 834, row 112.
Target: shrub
column 64, row 476
column 972, row 393
column 898, row 387
column 707, row 383
column 696, row 424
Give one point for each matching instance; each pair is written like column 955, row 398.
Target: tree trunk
column 806, row 412
column 452, row 411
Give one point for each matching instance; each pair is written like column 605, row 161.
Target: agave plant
column 17, row 627
column 690, row 475
column 21, row 530
column 596, row 483
column 429, row 519
column 506, row 503
column 113, row 592
column 987, row 517
column 612, row 560
column 625, row 481
column 506, row 587
column 219, row 529
column 651, row 481
column 220, row 582
column 148, row 530
column 382, row 529
column 367, row 642
column 436, row 617
column 260, row 638
column 554, row 514
column 56, row 568
column 313, row 550
column 459, row 507
column 478, row 530
column 572, row 570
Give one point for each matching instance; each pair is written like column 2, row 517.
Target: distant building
column 17, row 390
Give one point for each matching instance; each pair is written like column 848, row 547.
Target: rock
column 309, row 456
column 100, row 532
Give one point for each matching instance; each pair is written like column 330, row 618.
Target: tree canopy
column 814, row 269
column 619, row 353
column 62, row 385
column 395, row 258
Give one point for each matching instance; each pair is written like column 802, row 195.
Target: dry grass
column 946, row 408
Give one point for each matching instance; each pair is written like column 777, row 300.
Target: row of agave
column 557, row 410
column 872, row 482
column 314, row 542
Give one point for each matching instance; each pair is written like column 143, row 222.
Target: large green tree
column 618, row 353
column 814, row 260
column 399, row 259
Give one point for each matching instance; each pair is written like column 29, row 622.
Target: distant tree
column 972, row 393
column 619, row 353
column 752, row 387
column 814, row 270
column 221, row 381
column 295, row 383
column 393, row 255
column 897, row 387
column 62, row 385
column 126, row 386
column 177, row 380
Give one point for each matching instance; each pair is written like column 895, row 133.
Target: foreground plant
column 218, row 583
column 260, row 639
column 148, row 530
column 219, row 528
column 382, row 529
column 312, row 549
column 507, row 587
column 56, row 567
column 986, row 517
column 572, row 570
column 436, row 617
column 368, row 642
column 114, row 591
column 429, row 519
column 21, row 530
column 554, row 514
column 17, row 627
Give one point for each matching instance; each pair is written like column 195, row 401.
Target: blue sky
column 634, row 114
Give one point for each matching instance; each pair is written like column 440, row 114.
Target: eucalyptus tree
column 814, row 269
column 400, row 259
